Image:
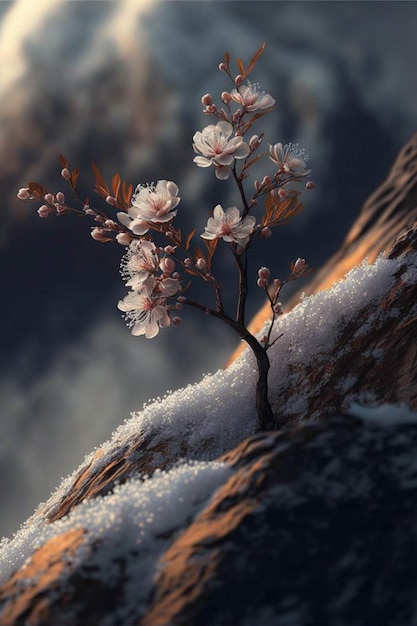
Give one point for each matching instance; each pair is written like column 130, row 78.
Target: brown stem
column 267, row 420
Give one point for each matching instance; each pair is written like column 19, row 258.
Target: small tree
column 158, row 274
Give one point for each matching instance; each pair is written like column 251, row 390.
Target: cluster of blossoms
column 155, row 273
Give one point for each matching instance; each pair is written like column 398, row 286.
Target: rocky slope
column 311, row 524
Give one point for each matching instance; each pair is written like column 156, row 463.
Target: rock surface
column 312, row 524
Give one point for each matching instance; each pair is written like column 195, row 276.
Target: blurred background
column 121, row 82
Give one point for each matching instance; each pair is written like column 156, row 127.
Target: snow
column 132, row 523
column 206, row 419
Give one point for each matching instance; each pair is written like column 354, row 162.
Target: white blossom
column 229, row 226
column 151, row 204
column 146, row 312
column 251, row 98
column 290, row 158
column 140, row 261
column 214, row 143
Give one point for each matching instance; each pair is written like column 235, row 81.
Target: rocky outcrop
column 311, row 524
column 314, row 525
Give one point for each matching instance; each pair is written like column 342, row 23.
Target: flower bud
column 300, row 265
column 201, row 264
column 60, row 197
column 226, row 97
column 167, row 265
column 65, row 173
column 266, row 181
column 206, row 99
column 181, row 299
column 310, row 185
column 222, row 67
column 110, row 200
column 176, row 321
column 123, row 238
column 176, row 275
column 262, row 283
column 266, row 232
column 44, row 211
column 98, row 234
column 238, row 80
column 277, row 308
column 264, row 272
column 254, row 142
column 60, row 208
column 49, row 198
column 23, row 193
column 169, row 249
column 110, row 224
column 277, row 284
column 187, row 262
column 283, row 193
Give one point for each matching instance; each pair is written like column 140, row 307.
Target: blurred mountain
column 120, row 83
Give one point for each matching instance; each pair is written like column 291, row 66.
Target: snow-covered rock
column 189, row 515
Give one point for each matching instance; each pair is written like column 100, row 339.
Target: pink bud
column 206, row 99
column 89, row 211
column 226, row 97
column 60, row 197
column 123, row 239
column 264, row 272
column 299, row 265
column 49, row 198
column 65, row 173
column 187, row 262
column 60, row 208
column 110, row 200
column 257, row 185
column 310, row 185
column 222, row 67
column 179, row 306
column 277, row 308
column 283, row 193
column 169, row 249
column 44, row 211
column 176, row 321
column 277, row 284
column 262, row 283
column 254, row 142
column 98, row 234
column 201, row 264
column 167, row 265
column 266, row 181
column 266, row 232
column 181, row 299
column 109, row 224
column 176, row 275
column 23, row 193
column 238, row 80
column 263, row 339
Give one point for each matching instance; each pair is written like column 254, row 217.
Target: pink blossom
column 151, row 204
column 251, row 98
column 140, row 261
column 214, row 143
column 145, row 312
column 229, row 226
column 290, row 158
